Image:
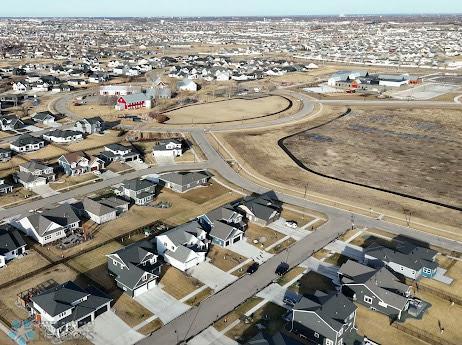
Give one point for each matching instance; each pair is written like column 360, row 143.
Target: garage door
column 101, row 310
column 140, row 290
column 84, row 321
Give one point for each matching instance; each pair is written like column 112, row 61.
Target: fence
column 421, row 334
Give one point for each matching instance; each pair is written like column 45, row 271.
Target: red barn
column 134, row 101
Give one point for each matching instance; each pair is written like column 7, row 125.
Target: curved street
column 198, row 318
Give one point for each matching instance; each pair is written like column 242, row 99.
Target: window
column 145, row 277
column 368, row 299
column 316, row 335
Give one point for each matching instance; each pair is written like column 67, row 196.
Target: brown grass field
column 177, row 283
column 264, row 236
column 224, row 259
column 419, row 149
column 254, row 148
column 232, row 110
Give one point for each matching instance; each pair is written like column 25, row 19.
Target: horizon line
column 244, row 16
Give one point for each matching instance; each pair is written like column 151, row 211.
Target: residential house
column 49, row 225
column 10, row 123
column 90, row 125
column 120, row 153
column 5, row 188
column 184, row 181
column 187, row 85
column 79, row 163
column 140, row 191
column 95, row 210
column 33, row 174
column 119, row 90
column 225, row 225
column 44, row 117
column 377, row 289
column 120, row 205
column 27, row 143
column 67, row 307
column 169, row 148
column 136, row 268
column 60, row 136
column 5, row 155
column 183, row 247
column 261, row 209
column 324, row 319
column 407, row 259
column 12, row 245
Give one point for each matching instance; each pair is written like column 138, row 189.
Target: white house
column 186, row 85
column 169, row 148
column 183, row 247
column 12, row 245
column 59, row 136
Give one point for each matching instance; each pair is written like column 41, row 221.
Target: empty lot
column 412, row 151
column 232, row 110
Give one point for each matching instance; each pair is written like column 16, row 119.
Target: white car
column 292, row 224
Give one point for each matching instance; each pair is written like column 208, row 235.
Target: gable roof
column 384, row 284
column 10, row 240
column 184, row 178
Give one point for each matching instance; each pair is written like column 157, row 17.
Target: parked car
column 292, row 224
column 282, row 268
column 253, row 268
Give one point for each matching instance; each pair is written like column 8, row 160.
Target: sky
column 178, row 8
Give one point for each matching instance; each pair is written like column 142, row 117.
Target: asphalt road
column 197, row 319
column 92, row 187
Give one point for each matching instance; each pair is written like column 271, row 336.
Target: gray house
column 135, row 268
column 225, row 226
column 120, row 153
column 261, row 209
column 5, row 188
column 27, row 143
column 90, row 125
column 324, row 319
column 68, row 307
column 407, row 259
column 44, row 117
column 377, row 289
column 183, row 181
column 95, row 210
column 33, row 174
column 5, row 155
column 141, row 191
column 12, row 245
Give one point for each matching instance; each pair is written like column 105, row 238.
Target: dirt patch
column 301, row 218
column 282, row 246
column 129, row 310
column 224, row 259
column 262, row 237
column 151, row 327
column 203, row 194
column 177, row 283
column 198, row 298
column 31, row 262
column 237, row 313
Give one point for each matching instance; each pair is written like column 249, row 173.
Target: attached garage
column 101, row 310
column 84, row 321
column 142, row 289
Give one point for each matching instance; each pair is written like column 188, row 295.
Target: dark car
column 253, row 268
column 282, row 268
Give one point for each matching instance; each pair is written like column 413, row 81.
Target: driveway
column 210, row 336
column 274, row 293
column 244, row 248
column 109, row 329
column 296, row 234
column 107, row 175
column 346, row 249
column 162, row 304
column 211, row 276
column 44, row 191
column 138, row 165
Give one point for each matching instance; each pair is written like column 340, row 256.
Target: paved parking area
column 44, row 191
column 280, row 226
column 249, row 251
column 160, row 303
column 109, row 329
column 211, row 276
column 274, row 293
